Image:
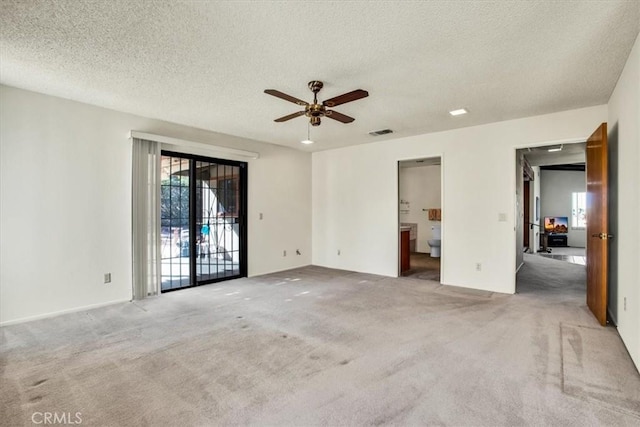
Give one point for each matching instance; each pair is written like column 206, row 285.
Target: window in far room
column 578, row 210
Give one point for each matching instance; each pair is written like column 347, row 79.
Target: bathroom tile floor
column 424, row 267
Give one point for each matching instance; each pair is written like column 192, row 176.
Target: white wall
column 421, row 187
column 355, row 196
column 66, row 203
column 555, row 199
column 624, row 139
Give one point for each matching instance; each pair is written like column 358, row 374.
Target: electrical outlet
column 107, row 277
column 478, row 266
column 284, row 253
column 298, row 252
column 260, row 215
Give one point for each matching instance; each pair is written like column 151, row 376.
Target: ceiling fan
column 315, row 110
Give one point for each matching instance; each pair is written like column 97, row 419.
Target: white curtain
column 146, row 218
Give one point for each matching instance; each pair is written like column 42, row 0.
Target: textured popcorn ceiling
column 206, row 64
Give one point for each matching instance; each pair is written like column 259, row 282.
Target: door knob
column 603, row 236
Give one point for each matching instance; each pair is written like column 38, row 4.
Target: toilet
column 435, row 241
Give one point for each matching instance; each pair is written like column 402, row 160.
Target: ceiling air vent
column 380, row 132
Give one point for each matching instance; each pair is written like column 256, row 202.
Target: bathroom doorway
column 420, row 218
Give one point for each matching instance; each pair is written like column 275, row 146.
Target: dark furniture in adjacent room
column 556, row 240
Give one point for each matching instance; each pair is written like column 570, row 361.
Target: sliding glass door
column 218, row 219
column 203, row 220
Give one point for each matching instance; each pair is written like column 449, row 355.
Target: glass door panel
column 174, row 219
column 217, row 220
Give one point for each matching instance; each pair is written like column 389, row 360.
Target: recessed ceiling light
column 458, row 112
column 307, row 142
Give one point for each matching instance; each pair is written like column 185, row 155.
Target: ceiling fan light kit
column 315, row 111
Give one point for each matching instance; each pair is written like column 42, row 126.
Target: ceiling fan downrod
column 315, row 111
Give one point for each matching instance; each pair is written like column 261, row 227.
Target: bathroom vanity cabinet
column 405, row 249
column 413, row 234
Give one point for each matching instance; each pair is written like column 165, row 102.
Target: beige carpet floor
column 315, row 346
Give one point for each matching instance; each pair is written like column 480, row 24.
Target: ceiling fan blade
column 346, row 97
column 338, row 116
column 290, row 116
column 284, row 96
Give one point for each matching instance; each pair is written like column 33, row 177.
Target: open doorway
column 420, row 218
column 551, row 206
column 588, row 214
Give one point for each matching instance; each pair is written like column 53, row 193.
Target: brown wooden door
column 597, row 232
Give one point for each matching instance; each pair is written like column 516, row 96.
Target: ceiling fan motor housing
column 314, row 112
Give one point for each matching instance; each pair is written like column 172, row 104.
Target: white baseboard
column 61, row 312
column 278, row 270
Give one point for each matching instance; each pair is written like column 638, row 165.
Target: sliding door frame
column 242, row 216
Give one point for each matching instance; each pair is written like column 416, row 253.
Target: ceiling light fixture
column 553, row 150
column 308, row 140
column 458, row 112
column 380, row 132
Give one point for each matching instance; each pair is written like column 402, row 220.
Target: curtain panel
column 146, row 218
